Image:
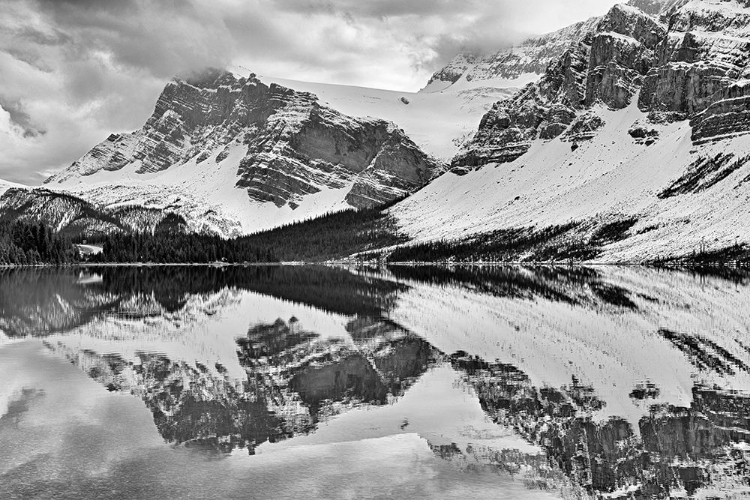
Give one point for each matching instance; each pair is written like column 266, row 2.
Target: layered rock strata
column 677, row 60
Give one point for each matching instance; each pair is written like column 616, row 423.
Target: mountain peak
column 514, row 66
column 655, row 7
column 218, row 142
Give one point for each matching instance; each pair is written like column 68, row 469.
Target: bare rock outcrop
column 681, row 60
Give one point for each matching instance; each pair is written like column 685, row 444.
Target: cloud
column 73, row 71
column 19, row 119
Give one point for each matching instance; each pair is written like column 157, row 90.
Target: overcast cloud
column 73, row 71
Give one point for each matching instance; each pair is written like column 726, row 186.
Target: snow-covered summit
column 255, row 154
column 511, row 67
column 5, row 185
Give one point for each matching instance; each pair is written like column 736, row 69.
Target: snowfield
column 5, row 185
column 206, row 195
column 611, row 176
column 439, row 121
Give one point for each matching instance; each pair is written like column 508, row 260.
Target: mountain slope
column 438, row 122
column 642, row 124
column 5, row 185
column 75, row 216
column 253, row 155
column 525, row 63
column 512, row 67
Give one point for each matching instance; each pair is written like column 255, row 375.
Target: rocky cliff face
column 513, row 66
column 680, row 60
column 607, row 64
column 282, row 144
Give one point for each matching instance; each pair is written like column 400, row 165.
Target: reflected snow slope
column 511, row 382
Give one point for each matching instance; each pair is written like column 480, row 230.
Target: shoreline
column 350, row 263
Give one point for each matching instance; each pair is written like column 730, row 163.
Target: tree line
column 177, row 247
column 32, row 243
column 331, row 236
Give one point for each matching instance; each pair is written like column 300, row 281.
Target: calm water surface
column 316, row 382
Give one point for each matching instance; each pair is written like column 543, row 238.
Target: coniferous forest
column 178, row 247
column 331, row 236
column 24, row 243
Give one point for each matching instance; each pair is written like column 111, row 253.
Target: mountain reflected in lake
column 289, row 381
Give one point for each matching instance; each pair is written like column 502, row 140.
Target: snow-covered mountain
column 517, row 66
column 638, row 130
column 233, row 154
column 257, row 155
column 512, row 67
column 5, row 185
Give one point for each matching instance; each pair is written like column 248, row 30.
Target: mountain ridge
column 645, row 121
column 232, row 155
column 286, row 131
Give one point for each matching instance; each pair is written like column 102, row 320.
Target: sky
column 74, row 71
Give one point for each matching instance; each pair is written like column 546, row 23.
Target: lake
column 400, row 382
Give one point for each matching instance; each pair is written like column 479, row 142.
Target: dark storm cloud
column 34, row 36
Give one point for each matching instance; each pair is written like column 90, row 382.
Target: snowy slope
column 438, row 122
column 205, row 194
column 604, row 137
column 608, row 178
column 5, row 185
column 233, row 155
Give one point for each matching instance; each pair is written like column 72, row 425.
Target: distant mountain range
column 625, row 136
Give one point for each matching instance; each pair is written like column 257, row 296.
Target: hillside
column 231, row 154
column 512, row 67
column 251, row 154
column 642, row 127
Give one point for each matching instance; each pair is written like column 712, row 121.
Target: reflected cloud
column 595, row 382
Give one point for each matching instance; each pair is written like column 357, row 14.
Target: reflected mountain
column 48, row 301
column 633, row 383
column 294, row 380
column 572, row 285
column 673, row 450
column 45, row 301
column 190, row 404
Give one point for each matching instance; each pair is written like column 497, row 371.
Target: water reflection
column 601, row 382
